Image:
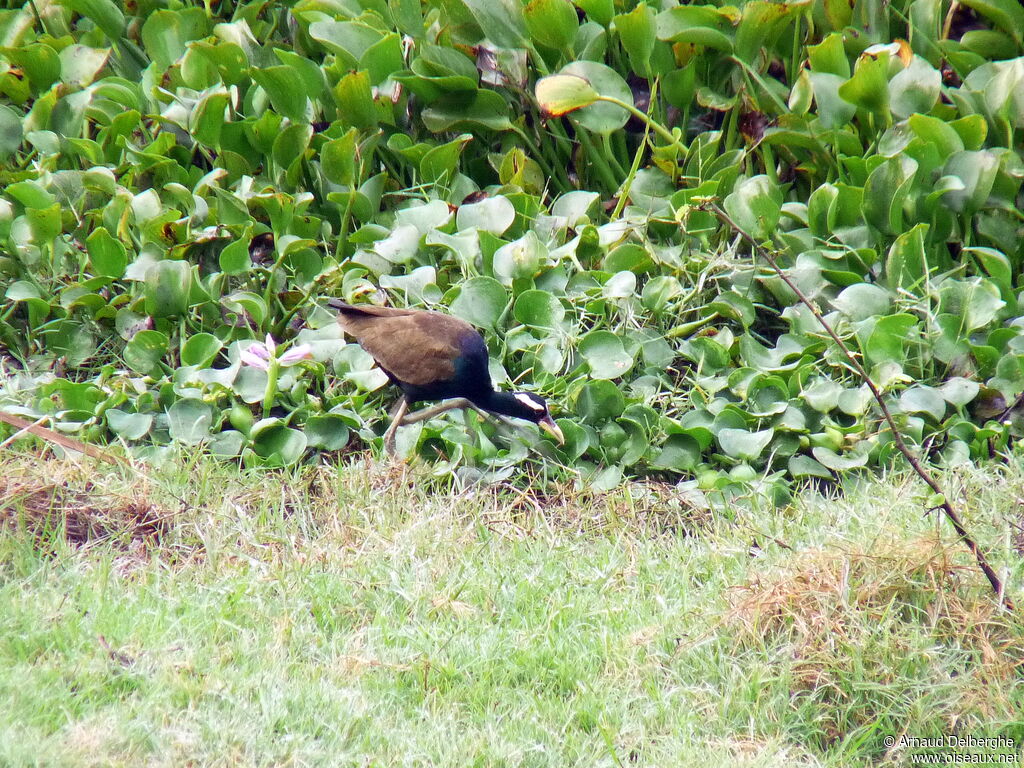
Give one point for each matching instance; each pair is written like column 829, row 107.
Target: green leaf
column 638, row 34
column 328, row 432
column 167, row 288
column 599, row 117
column 468, row 111
column 755, row 205
column 200, row 349
column 977, row 171
column 743, row 444
column 189, row 420
column 863, row 300
column 679, row 453
column 923, row 399
column 235, row 259
column 560, row 94
column 604, row 352
column 130, row 426
column 338, row 159
column 104, row 14
column 80, row 64
column 481, row 301
column 145, row 350
column 107, row 254
column 883, row 340
column 907, row 263
column 166, row 33
column 493, row 214
column 600, row 400
column 10, row 131
column 552, row 23
column 959, row 391
column 1007, row 14
column 885, row 192
column 914, row 89
column 841, row 463
column 698, row 24
column 539, row 309
column 502, row 21
column 276, row 444
column 805, row 466
column 869, row 87
column 354, row 98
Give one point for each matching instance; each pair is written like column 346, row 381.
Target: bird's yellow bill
column 549, row 426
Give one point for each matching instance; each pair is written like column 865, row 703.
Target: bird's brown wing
column 414, row 346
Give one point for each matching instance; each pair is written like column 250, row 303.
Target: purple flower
column 259, row 355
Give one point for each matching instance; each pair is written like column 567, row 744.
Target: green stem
column 557, row 174
column 609, row 153
column 268, row 292
column 657, row 127
column 597, row 160
column 637, row 157
column 273, row 369
column 687, row 329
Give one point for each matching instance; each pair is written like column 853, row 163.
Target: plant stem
column 656, row 126
column 637, row 158
column 918, row 467
column 597, row 160
column 273, row 369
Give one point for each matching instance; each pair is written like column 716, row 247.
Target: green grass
column 348, row 615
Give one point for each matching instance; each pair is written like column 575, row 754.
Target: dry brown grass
column 74, row 502
column 824, row 602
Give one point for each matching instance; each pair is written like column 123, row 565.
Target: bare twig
column 911, row 457
column 68, row 443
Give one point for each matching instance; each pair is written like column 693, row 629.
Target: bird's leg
column 436, row 410
column 389, row 436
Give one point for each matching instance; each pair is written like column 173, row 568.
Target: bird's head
column 526, row 405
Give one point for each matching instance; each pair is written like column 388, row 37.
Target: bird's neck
column 503, row 403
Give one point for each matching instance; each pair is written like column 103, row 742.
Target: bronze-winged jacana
column 433, row 356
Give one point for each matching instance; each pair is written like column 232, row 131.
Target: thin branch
column 911, row 457
column 68, row 443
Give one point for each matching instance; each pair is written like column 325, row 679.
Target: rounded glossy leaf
column 10, row 131
column 914, row 89
column 328, row 432
column 680, row 453
column 841, row 463
column 277, row 444
column 959, row 391
column 605, row 354
column 577, row 439
column 601, row 117
column 743, row 444
column 552, row 23
column 144, row 351
column 200, row 349
column 600, row 400
column 863, row 300
column 106, row 254
column 130, row 426
column 923, row 399
column 558, row 95
column 189, row 420
column 167, row 288
column 755, row 205
column 226, row 445
column 539, row 309
column 481, row 301
column 493, row 214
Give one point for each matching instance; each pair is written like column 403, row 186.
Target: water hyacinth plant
column 180, row 182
